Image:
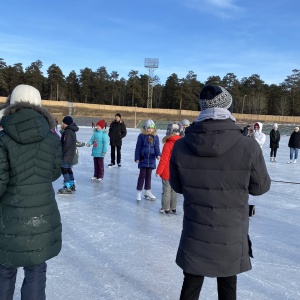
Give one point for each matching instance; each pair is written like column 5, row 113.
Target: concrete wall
column 239, row 117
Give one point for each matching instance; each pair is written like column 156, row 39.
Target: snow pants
column 192, row 285
column 98, row 167
column 144, row 177
column 169, row 196
column 34, row 283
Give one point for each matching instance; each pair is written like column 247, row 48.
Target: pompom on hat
column 101, row 123
column 25, row 93
column 67, row 120
column 149, row 124
column 215, row 96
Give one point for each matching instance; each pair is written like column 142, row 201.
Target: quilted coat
column 99, row 141
column 30, row 156
column 215, row 167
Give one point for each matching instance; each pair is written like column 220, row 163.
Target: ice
column 115, row 247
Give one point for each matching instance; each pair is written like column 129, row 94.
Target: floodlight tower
column 151, row 64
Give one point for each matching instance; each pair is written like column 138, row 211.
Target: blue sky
column 209, row 37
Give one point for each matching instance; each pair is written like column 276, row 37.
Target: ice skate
column 99, row 179
column 93, row 178
column 111, row 165
column 271, row 159
column 139, row 195
column 73, row 186
column 164, row 211
column 149, row 195
column 289, row 162
column 65, row 191
column 295, row 160
column 275, row 160
column 173, row 211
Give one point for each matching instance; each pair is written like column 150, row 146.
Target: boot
column 139, row 195
column 271, row 158
column 66, row 189
column 295, row 160
column 275, row 160
column 149, row 195
column 73, row 187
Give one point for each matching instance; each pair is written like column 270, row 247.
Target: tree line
column 251, row 94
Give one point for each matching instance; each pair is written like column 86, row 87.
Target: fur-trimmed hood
column 27, row 123
column 144, row 131
column 11, row 109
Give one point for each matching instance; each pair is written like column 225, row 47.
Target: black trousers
column 192, row 285
column 113, row 154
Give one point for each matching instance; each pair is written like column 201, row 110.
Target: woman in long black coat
column 294, row 144
column 274, row 142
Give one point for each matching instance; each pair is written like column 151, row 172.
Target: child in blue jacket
column 146, row 152
column 99, row 140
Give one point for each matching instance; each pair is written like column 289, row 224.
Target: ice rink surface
column 115, row 247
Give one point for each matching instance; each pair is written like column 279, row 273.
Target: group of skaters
column 195, row 161
column 255, row 132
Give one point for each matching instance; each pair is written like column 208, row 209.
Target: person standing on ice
column 68, row 142
column 216, row 167
column 30, row 223
column 99, row 140
column 294, row 145
column 146, row 152
column 258, row 135
column 274, row 142
column 169, row 196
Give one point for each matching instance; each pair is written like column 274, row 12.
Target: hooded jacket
column 258, row 135
column 68, row 143
column 147, row 149
column 30, row 155
column 215, row 167
column 99, row 140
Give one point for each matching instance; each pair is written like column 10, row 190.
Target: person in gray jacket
column 215, row 167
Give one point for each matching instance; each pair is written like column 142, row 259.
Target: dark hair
column 118, row 115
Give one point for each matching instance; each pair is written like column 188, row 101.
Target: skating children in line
column 146, row 152
column 99, row 140
column 68, row 143
column 169, row 196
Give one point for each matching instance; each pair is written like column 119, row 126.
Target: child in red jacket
column 169, row 196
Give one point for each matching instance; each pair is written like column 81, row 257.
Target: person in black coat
column 294, row 144
column 274, row 142
column 215, row 167
column 117, row 131
column 68, row 143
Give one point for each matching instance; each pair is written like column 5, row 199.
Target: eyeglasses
column 152, row 126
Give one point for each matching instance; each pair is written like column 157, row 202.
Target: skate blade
column 148, row 198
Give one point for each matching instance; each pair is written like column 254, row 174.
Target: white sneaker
column 149, row 195
column 139, row 195
column 93, row 178
column 289, row 162
column 295, row 161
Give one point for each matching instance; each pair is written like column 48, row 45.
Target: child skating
column 146, row 152
column 99, row 140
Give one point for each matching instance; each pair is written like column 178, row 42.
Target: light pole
column 243, row 103
column 135, row 117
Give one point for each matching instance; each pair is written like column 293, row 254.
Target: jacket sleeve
column 165, row 155
column 4, row 170
column 260, row 181
column 138, row 147
column 105, row 142
column 123, row 131
column 91, row 141
column 56, row 172
column 157, row 149
column 175, row 181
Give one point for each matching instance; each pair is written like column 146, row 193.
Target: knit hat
column 173, row 129
column 67, row 120
column 149, row 124
column 185, row 122
column 275, row 125
column 215, row 96
column 101, row 123
column 25, row 93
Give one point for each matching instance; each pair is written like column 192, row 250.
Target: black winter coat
column 274, row 139
column 68, row 143
column 117, row 131
column 215, row 167
column 294, row 141
column 30, row 155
